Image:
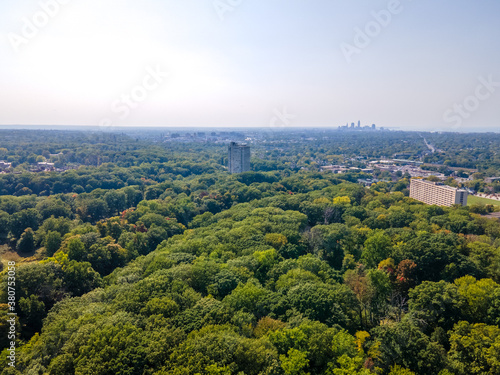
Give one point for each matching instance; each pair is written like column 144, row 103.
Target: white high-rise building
column 239, row 158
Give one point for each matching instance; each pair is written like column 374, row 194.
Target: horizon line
column 235, row 127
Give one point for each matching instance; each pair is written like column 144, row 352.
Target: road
column 429, row 146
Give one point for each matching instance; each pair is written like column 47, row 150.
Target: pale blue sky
column 238, row 63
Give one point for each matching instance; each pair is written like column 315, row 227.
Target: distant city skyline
column 188, row 128
column 410, row 65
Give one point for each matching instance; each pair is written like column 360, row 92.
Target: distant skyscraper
column 239, row 158
column 359, row 124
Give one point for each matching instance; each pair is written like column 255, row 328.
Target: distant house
column 335, row 168
column 45, row 166
column 4, row 165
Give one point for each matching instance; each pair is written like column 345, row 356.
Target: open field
column 7, row 254
column 478, row 200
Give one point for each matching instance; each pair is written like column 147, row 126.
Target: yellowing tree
column 342, row 200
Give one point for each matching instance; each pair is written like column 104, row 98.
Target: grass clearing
column 478, row 200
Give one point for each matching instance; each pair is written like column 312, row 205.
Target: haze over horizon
column 411, row 65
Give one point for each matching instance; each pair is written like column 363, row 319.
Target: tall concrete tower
column 239, row 158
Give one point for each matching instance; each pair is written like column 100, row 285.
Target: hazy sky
column 423, row 64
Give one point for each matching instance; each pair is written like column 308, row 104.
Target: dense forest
column 147, row 257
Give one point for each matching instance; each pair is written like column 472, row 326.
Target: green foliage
column 252, row 298
column 437, row 304
column 76, row 249
column 475, row 349
column 398, row 370
column 21, row 220
column 80, row 278
column 32, row 311
column 476, row 297
column 52, row 242
column 277, row 271
column 322, row 302
column 26, row 243
column 377, row 248
column 405, row 345
column 294, row 362
column 116, row 349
